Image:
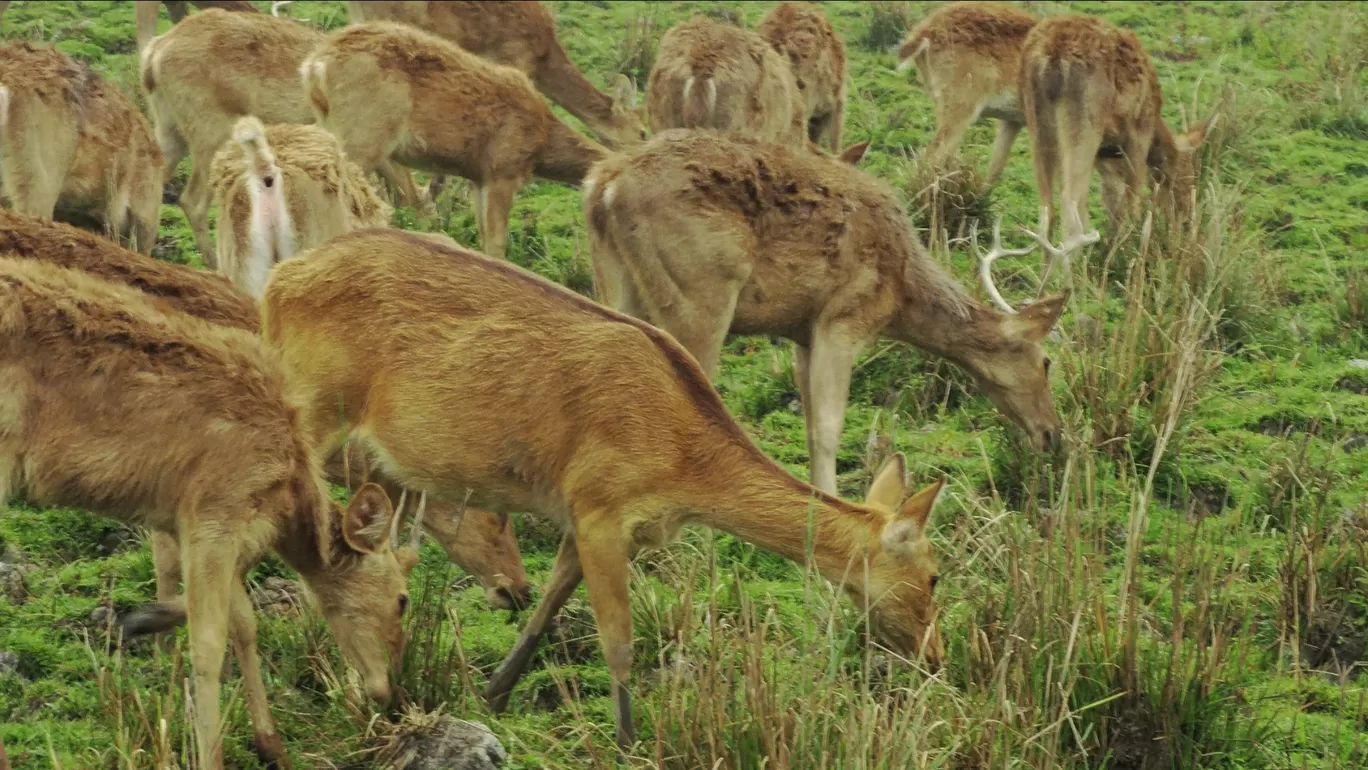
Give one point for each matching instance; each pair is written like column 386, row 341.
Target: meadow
column 1185, row 587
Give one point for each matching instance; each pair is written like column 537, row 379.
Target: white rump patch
column 608, row 193
column 688, row 86
column 4, row 106
column 270, row 234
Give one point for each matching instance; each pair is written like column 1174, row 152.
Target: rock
column 437, row 741
column 1355, row 443
column 9, row 662
column 1358, row 363
column 12, row 582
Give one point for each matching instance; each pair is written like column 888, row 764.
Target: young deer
column 74, row 147
column 522, row 35
column 714, row 75
column 968, row 56
column 1092, row 98
column 145, row 13
column 158, row 418
column 205, row 73
column 706, row 235
column 388, row 92
column 481, row 543
column 817, row 57
column 281, row 191
column 525, row 396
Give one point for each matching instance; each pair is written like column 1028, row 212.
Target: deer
column 145, row 13
column 387, row 91
column 522, row 35
column 208, row 71
column 816, row 55
column 713, row 75
column 1092, row 99
column 280, row 191
column 968, row 55
column 707, row 235
column 74, row 147
column 637, row 446
column 110, row 404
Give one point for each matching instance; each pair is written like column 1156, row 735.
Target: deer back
column 970, row 51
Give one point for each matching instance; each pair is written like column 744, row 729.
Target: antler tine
column 460, row 513
column 1066, row 248
column 416, row 530
column 398, row 517
column 986, row 263
column 277, row 5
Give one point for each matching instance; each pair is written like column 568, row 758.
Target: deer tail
column 270, row 233
column 700, row 100
column 909, row 56
column 312, row 72
column 4, row 106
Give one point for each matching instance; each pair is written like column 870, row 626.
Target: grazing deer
column 74, row 147
column 706, row 235
column 522, row 35
column 109, row 404
column 817, row 57
column 1092, row 98
column 281, row 191
column 207, row 72
column 714, row 75
column 969, row 58
column 145, row 13
column 389, row 93
column 637, row 445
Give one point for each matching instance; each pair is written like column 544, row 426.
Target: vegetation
column 1186, row 588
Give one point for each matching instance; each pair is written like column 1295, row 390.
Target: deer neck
column 564, row 84
column 958, row 332
column 567, row 155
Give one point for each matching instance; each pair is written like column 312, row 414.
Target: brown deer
column 480, row 542
column 1092, row 99
column 713, row 75
column 816, row 54
column 968, row 56
column 74, row 147
column 207, row 72
column 158, row 418
column 525, row 396
column 389, row 92
column 706, row 235
column 522, row 35
column 283, row 190
column 145, row 13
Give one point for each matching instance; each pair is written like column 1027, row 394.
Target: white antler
column 416, row 531
column 986, row 263
column 277, row 5
column 398, row 519
column 1061, row 253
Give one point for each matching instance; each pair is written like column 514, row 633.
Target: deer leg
column 565, row 577
column 607, row 579
column 243, row 631
column 953, row 118
column 209, row 562
column 477, row 208
column 1002, row 149
column 177, row 10
column 497, row 202
column 802, row 372
column 1114, row 176
column 829, row 369
column 401, row 179
column 194, row 200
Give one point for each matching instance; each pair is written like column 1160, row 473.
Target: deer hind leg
column 1002, row 148
column 829, row 367
column 400, row 179
column 194, row 200
column 565, row 578
column 209, row 563
column 802, row 378
column 1115, row 176
column 496, row 201
column 953, row 118
column 243, row 631
column 608, row 578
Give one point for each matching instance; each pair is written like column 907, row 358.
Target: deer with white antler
column 637, row 446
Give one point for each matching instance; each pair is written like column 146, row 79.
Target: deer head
column 628, row 124
column 899, row 587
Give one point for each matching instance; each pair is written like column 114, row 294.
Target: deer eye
column 403, row 604
column 934, row 580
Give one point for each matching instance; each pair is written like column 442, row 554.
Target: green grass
column 1187, row 589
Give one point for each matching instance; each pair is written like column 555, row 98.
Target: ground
column 1185, row 588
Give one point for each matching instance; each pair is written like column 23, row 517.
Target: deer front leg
column 242, row 628
column 565, row 577
column 607, row 573
column 829, row 366
column 802, row 370
column 194, row 199
column 496, row 199
column 1002, row 149
column 208, row 562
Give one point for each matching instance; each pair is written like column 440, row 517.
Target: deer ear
column 889, row 484
column 908, row 524
column 1192, row 140
column 854, row 153
column 1037, row 319
column 624, row 92
column 366, row 522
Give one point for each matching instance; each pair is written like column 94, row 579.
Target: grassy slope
column 1228, row 611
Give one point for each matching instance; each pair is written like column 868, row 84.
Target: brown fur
column 1092, row 98
column 521, row 35
column 817, row 57
column 183, row 289
column 109, row 404
column 463, row 374
column 145, row 13
column 281, row 191
column 707, row 235
column 393, row 92
column 713, row 75
column 205, row 73
column 74, row 147
column 968, row 55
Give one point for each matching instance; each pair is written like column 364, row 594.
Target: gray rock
column 1358, row 363
column 12, row 582
column 445, row 743
column 9, row 662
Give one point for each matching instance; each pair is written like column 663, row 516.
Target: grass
column 1186, row 588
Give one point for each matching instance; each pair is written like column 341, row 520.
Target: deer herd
column 212, row 407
